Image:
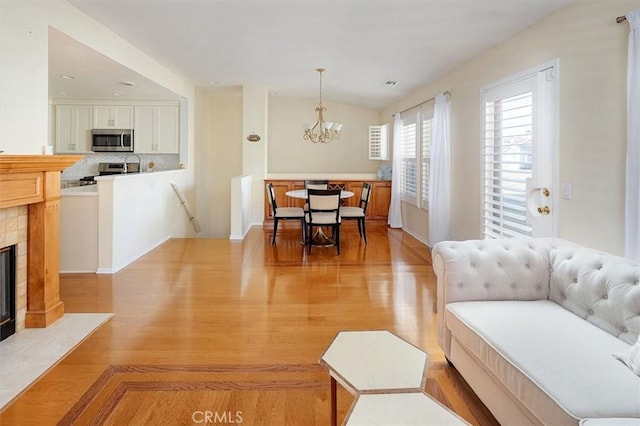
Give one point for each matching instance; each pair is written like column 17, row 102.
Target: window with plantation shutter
column 507, row 165
column 409, row 172
column 520, row 119
column 427, row 127
column 416, row 133
column 378, row 142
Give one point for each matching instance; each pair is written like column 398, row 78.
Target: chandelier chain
column 320, row 70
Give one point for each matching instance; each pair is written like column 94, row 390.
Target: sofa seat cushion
column 610, row 422
column 538, row 346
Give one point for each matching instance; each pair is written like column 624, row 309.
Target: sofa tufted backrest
column 599, row 287
column 504, row 269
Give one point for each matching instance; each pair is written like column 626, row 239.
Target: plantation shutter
column 409, row 154
column 378, row 142
column 427, row 127
column 507, row 158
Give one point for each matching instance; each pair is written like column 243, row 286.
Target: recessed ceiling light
column 390, row 83
column 213, row 82
column 63, row 94
column 127, row 83
column 118, row 94
column 68, row 76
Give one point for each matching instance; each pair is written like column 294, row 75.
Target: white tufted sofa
column 531, row 324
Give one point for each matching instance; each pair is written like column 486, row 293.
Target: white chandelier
column 322, row 131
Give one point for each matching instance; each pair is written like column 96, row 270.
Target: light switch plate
column 566, row 191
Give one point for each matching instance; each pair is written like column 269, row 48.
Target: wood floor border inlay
column 184, row 385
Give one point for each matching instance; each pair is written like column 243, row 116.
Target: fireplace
column 7, row 291
column 29, row 221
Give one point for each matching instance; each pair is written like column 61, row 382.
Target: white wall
column 255, row 110
column 219, row 158
column 241, row 199
column 23, row 78
column 591, row 48
column 288, row 152
column 79, row 226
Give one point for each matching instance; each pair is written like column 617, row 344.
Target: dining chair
column 324, row 210
column 283, row 213
column 316, row 184
column 359, row 212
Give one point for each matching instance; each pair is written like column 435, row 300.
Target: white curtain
column 439, row 179
column 632, row 196
column 395, row 212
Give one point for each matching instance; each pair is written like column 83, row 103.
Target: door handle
column 544, row 210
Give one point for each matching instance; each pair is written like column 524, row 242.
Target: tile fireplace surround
column 29, row 217
column 13, row 230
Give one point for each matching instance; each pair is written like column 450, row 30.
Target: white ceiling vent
column 390, row 83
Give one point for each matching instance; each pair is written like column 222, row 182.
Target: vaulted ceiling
column 362, row 44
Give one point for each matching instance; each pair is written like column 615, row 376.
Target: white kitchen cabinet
column 156, row 129
column 112, row 117
column 143, row 141
column 79, row 229
column 73, row 128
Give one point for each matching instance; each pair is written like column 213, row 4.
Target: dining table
column 302, row 194
column 319, row 238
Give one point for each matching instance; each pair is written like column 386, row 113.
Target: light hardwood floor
column 233, row 331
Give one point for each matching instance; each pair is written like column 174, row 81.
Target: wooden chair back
column 316, row 184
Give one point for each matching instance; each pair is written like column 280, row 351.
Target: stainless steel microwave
column 112, row 140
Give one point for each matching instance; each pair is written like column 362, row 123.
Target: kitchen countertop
column 92, row 190
column 82, row 191
column 134, row 175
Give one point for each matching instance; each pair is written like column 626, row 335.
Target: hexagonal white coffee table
column 406, row 409
column 373, row 362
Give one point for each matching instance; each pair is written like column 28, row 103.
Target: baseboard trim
column 417, row 237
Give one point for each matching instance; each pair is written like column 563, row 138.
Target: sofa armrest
column 500, row 269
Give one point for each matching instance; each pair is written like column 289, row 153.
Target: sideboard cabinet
column 378, row 209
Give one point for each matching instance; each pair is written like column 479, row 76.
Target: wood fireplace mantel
column 34, row 180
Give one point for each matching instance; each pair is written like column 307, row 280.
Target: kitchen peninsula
column 107, row 226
